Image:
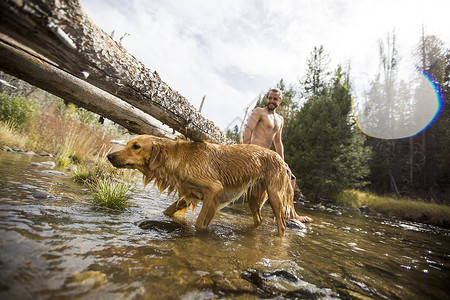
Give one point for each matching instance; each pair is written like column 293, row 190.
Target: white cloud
column 232, row 50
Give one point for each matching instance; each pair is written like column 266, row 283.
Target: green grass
column 90, row 173
column 111, row 193
column 405, row 209
column 109, row 187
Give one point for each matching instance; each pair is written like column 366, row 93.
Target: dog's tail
column 288, row 201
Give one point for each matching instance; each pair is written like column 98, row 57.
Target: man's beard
column 271, row 106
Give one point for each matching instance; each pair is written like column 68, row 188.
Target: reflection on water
column 61, row 247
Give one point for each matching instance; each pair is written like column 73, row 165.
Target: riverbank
column 404, row 209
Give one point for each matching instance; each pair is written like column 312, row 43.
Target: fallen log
column 38, row 72
column 61, row 32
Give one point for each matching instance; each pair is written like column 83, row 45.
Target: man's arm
column 279, row 148
column 251, row 125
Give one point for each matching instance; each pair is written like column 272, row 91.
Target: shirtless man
column 263, row 128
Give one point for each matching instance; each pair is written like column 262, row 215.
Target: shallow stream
column 55, row 245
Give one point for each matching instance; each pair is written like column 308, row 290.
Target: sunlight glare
column 394, row 109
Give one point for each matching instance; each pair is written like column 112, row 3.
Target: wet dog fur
column 211, row 173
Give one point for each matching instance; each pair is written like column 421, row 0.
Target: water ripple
column 58, row 245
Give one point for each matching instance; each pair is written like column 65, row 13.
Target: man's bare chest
column 271, row 122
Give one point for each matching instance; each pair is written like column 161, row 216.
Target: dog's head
column 144, row 153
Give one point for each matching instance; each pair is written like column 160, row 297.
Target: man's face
column 273, row 100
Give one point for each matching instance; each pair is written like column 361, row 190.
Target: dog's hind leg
column 276, row 202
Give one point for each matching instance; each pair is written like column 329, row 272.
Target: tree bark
column 61, row 32
column 42, row 74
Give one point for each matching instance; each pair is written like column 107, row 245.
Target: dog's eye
column 135, row 146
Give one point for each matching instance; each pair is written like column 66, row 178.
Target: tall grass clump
column 89, row 173
column 110, row 187
column 405, row 209
column 80, row 144
column 72, row 140
column 102, row 169
column 11, row 137
column 111, row 193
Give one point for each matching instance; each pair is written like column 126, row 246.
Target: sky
column 231, row 51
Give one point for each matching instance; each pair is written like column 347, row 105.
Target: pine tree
column 234, row 134
column 321, row 144
column 317, row 74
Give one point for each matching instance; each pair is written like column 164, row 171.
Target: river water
column 55, row 245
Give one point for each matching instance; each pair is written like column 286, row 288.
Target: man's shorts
column 290, row 173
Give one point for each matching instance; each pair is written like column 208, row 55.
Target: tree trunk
column 61, row 33
column 411, row 162
column 42, row 74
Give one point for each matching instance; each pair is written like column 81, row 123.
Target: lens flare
column 394, row 109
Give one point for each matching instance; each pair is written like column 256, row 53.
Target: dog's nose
column 111, row 156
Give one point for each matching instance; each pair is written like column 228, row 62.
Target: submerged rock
column 48, row 164
column 160, row 225
column 41, row 195
column 45, row 154
column 283, row 283
column 336, row 212
column 52, row 172
column 295, row 224
column 31, row 153
column 282, row 274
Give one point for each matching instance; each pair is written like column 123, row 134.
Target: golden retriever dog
column 211, row 173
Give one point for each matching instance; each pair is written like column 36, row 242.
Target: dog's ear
column 158, row 157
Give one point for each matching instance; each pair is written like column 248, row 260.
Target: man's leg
column 303, row 219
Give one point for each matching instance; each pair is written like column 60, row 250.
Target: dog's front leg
column 255, row 202
column 176, row 206
column 211, row 201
